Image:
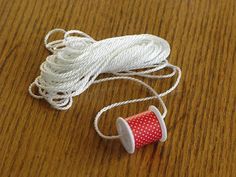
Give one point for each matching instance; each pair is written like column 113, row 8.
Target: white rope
column 77, row 60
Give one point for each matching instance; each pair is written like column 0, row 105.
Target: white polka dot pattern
column 145, row 127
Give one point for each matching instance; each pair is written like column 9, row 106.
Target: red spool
column 141, row 129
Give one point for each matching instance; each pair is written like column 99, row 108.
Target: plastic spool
column 141, row 129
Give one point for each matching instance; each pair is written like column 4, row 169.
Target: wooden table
column 36, row 140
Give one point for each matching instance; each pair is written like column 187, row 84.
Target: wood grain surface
column 36, row 140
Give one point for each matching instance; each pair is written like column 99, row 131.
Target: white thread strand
column 156, row 96
column 77, row 60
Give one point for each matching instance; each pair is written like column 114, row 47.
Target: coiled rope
column 77, row 60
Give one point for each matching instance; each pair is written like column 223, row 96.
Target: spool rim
column 161, row 122
column 126, row 135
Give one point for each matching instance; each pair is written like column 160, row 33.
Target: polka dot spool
column 141, row 129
